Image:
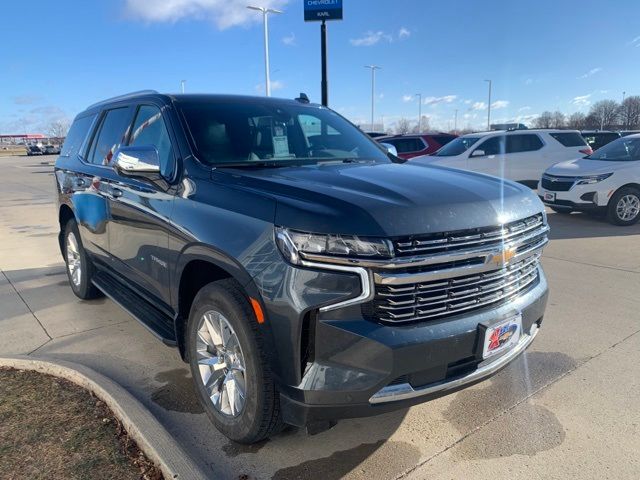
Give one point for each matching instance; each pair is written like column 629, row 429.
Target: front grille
column 447, row 297
column 450, row 242
column 557, row 184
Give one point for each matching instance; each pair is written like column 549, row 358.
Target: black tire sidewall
column 612, row 215
column 85, row 290
column 246, row 427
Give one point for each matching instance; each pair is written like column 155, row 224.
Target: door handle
column 116, row 192
column 80, row 182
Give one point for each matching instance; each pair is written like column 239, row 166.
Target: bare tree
column 577, row 120
column 424, row 125
column 558, row 120
column 58, row 128
column 630, row 112
column 545, row 120
column 604, row 114
column 402, row 126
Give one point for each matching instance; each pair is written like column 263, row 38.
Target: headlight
column 593, row 179
column 294, row 245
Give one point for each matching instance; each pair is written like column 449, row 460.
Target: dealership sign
column 317, row 10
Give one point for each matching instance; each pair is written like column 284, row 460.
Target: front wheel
column 624, row 207
column 229, row 364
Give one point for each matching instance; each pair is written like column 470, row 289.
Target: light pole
column 489, row 107
column 419, row 95
column 182, row 82
column 373, row 89
column 265, row 22
column 455, row 122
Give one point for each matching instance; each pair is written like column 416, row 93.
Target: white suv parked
column 520, row 155
column 607, row 181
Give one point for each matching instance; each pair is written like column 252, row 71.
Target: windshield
column 457, row 146
column 621, row 150
column 251, row 133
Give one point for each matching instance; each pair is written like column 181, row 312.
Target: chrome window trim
column 404, row 391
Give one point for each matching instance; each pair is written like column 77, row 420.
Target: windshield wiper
column 251, row 165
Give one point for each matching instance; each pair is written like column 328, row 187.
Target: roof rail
column 122, row 97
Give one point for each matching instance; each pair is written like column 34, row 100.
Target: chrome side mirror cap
column 142, row 161
column 390, row 148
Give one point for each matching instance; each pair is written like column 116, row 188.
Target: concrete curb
column 140, row 424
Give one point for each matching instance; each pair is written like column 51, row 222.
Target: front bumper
column 591, row 197
column 362, row 368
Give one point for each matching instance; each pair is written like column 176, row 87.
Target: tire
column 257, row 415
column 624, row 207
column 80, row 268
column 562, row 211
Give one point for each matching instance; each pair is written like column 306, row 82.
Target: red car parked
column 413, row 145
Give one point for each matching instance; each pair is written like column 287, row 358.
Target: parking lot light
column 265, row 23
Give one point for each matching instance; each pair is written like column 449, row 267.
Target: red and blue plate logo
column 501, row 335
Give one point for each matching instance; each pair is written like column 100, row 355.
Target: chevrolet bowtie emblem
column 500, row 259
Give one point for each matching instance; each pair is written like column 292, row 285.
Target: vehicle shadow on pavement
column 580, row 225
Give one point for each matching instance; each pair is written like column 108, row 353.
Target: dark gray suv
column 305, row 274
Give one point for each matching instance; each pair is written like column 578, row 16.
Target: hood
column 584, row 166
column 384, row 199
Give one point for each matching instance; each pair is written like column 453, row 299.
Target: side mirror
column 477, row 153
column 140, row 161
column 390, row 148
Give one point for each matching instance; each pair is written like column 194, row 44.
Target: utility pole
column 373, row 89
column 455, row 122
column 419, row 95
column 489, row 107
column 265, row 13
column 623, row 95
column 182, row 82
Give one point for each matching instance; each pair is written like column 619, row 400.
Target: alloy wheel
column 74, row 261
column 221, row 363
column 628, row 207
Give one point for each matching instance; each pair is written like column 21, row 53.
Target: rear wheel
column 624, row 207
column 229, row 364
column 79, row 266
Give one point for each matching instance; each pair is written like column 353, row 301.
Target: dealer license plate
column 502, row 336
column 549, row 197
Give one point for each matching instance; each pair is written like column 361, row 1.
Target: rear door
column 408, row 147
column 141, row 208
column 526, row 158
column 94, row 187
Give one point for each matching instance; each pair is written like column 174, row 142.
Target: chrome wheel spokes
column 628, row 207
column 74, row 264
column 221, row 363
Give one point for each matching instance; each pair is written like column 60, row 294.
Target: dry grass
column 52, row 428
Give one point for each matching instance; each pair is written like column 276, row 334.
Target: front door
column 489, row 157
column 140, row 210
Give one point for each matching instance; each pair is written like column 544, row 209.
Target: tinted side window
column 76, row 135
column 493, row 145
column 150, row 129
column 112, row 133
column 523, row 143
column 443, row 139
column 569, row 139
column 406, row 145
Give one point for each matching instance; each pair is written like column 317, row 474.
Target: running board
column 149, row 316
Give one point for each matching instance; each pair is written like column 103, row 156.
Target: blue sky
column 58, row 57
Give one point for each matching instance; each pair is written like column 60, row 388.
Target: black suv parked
column 303, row 274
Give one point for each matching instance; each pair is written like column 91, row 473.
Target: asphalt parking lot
column 568, row 408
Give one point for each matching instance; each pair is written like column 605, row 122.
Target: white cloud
column 524, row 109
column 407, row 98
column 528, row 81
column 436, row 100
column 223, row 13
column 404, row 33
column 498, row 104
column 468, row 102
column 371, row 38
column 275, row 85
column 479, row 106
column 591, row 72
column 289, row 40
column 582, row 100
column 635, row 42
column 27, row 99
